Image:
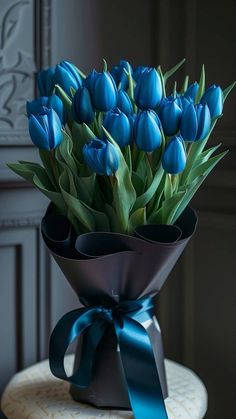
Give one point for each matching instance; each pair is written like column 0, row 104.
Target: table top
column 35, row 393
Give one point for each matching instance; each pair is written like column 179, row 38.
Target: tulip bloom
column 138, row 71
column 45, row 129
column 46, row 81
column 104, row 92
column 67, row 76
column 118, row 125
column 36, row 106
column 147, row 131
column 191, row 91
column 82, row 106
column 119, row 74
column 148, row 91
column 195, row 123
column 174, row 156
column 89, row 82
column 124, row 102
column 101, row 157
column 170, row 116
column 213, row 98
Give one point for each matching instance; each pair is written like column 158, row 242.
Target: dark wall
column 197, row 307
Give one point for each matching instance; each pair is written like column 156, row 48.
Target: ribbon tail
column 140, row 370
column 71, row 326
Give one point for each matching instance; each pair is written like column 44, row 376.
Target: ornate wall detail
column 16, row 64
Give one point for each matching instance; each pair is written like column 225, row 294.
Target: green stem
column 54, row 167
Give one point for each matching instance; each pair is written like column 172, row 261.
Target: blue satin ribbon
column 136, row 352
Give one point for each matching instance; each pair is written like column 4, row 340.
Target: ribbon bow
column 136, row 352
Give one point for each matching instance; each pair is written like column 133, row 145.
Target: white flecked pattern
column 35, row 394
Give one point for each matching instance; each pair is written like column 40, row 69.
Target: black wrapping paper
column 102, row 267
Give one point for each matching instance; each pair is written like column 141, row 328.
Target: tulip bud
column 191, row 91
column 119, row 74
column 213, row 98
column 183, row 102
column 118, row 125
column 189, row 123
column 148, row 91
column 67, row 76
column 104, row 92
column 46, row 82
column 36, row 106
column 147, row 131
column 174, row 156
column 170, row 116
column 101, row 157
column 195, row 123
column 124, row 102
column 138, row 71
column 90, row 80
column 82, row 107
column 45, row 129
column 204, row 121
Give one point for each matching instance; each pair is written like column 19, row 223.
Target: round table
column 35, row 393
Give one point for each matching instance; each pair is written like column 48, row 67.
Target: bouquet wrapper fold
column 105, row 269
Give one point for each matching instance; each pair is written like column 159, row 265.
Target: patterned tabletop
column 35, row 394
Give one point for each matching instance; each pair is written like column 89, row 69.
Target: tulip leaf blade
column 146, row 197
column 66, row 101
column 184, row 85
column 201, row 88
column 137, row 218
column 228, row 89
column 205, row 168
column 165, row 212
column 168, row 187
column 173, row 70
column 124, row 194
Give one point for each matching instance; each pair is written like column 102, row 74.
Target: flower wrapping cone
column 102, row 267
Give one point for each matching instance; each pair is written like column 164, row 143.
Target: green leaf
column 123, row 191
column 168, row 187
column 184, row 85
column 201, row 88
column 47, row 163
column 67, row 102
column 173, row 70
column 64, row 151
column 136, row 219
column 104, row 64
column 113, row 219
column 138, row 183
column 228, row 89
column 204, row 168
column 85, row 187
column 205, row 155
column 130, row 90
column 55, row 197
column 128, row 158
column 168, row 208
column 145, row 198
column 81, row 135
column 159, row 70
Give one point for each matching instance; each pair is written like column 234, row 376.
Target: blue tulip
column 183, row 102
column 170, row 116
column 119, row 74
column 213, row 98
column 148, row 90
column 124, row 102
column 82, row 106
column 67, row 76
column 189, row 123
column 45, row 129
column 138, row 71
column 174, row 156
column 104, row 92
column 147, row 133
column 132, row 118
column 36, row 106
column 118, row 125
column 204, row 121
column 101, row 156
column 191, row 91
column 46, row 82
column 89, row 82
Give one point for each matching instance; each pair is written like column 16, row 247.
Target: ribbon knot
column 107, row 314
column 136, row 351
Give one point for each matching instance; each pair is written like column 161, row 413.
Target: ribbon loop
column 140, row 370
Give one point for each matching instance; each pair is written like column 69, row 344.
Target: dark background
column 197, row 307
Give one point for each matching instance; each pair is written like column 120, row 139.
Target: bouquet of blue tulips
column 121, row 160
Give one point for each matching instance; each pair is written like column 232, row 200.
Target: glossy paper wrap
column 112, row 267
